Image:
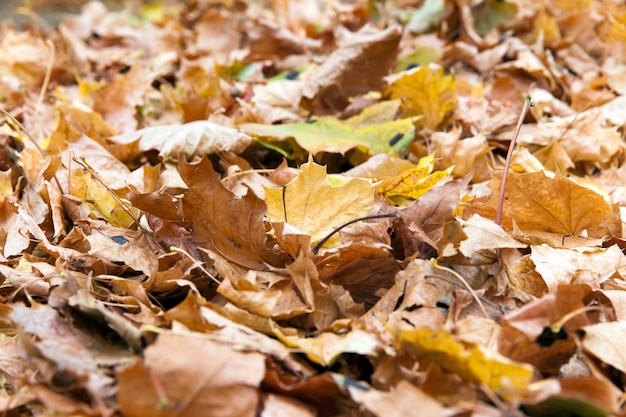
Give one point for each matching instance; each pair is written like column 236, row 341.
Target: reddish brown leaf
column 230, row 226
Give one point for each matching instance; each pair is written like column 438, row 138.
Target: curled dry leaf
column 195, row 138
column 355, row 68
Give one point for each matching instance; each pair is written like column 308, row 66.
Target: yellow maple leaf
column 314, row 205
column 414, row 182
column 476, row 363
column 426, row 91
column 100, row 198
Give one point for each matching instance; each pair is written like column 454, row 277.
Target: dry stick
column 528, row 103
column 123, row 205
column 46, row 80
column 556, row 327
column 195, row 262
column 317, row 247
column 458, row 276
column 21, row 127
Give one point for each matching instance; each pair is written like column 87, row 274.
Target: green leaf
column 371, row 132
column 492, row 13
column 426, row 17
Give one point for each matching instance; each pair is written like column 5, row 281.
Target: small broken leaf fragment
column 413, row 183
column 425, row 91
column 476, row 364
column 313, row 205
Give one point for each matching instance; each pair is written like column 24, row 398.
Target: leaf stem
column 317, row 247
column 528, row 103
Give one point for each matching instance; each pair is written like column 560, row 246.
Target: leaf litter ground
column 289, row 209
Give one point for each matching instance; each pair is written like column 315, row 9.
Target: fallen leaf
column 401, row 400
column 58, row 349
column 602, row 340
column 591, row 266
column 230, row 226
column 279, row 406
column 484, row 234
column 195, row 138
column 350, row 70
column 462, row 155
column 191, row 375
column 117, row 101
column 329, row 134
column 427, row 216
column 426, row 16
column 590, row 396
column 315, row 206
column 534, row 201
column 425, row 91
column 491, row 13
column 412, row 183
column 265, row 293
column 326, row 348
column 527, row 336
column 102, row 199
column 474, row 363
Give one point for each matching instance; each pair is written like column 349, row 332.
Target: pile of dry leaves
column 288, row 208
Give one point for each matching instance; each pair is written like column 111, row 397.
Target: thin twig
column 120, row 202
column 32, row 140
column 195, row 262
column 46, row 80
column 317, row 247
column 528, row 103
column 434, row 262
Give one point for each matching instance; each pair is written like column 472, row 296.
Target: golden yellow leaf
column 327, row 347
column 414, row 182
column 536, row 202
column 313, row 205
column 425, row 91
column 476, row 363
